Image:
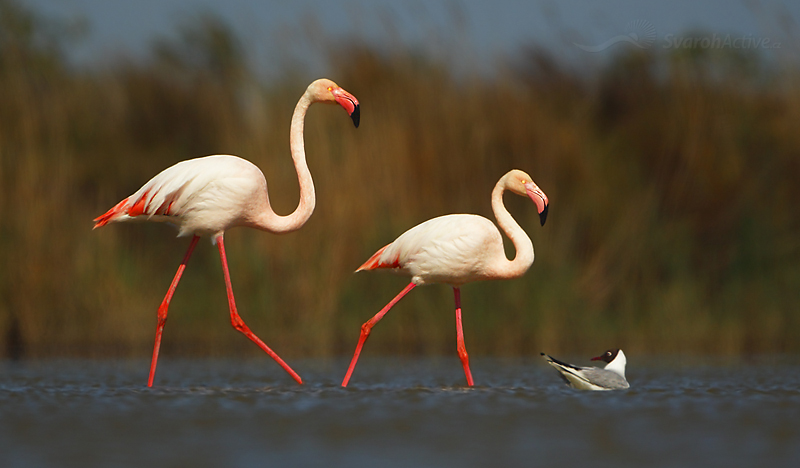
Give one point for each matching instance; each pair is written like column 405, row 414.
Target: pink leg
column 462, row 349
column 365, row 330
column 237, row 321
column 162, row 310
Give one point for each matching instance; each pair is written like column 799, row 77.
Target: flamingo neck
column 272, row 222
column 522, row 243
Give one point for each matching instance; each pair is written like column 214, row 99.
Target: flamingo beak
column 350, row 104
column 538, row 197
column 356, row 115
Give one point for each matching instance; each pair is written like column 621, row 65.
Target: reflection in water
column 399, row 413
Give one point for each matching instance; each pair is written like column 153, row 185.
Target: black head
column 608, row 356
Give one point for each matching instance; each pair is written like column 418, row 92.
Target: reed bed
column 672, row 178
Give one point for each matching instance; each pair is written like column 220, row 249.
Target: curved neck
column 269, row 220
column 522, row 243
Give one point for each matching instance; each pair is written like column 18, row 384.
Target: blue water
column 397, row 412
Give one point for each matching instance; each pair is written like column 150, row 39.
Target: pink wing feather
column 375, row 262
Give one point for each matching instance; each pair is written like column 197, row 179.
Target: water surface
column 397, row 412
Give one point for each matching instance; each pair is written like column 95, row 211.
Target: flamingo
column 457, row 249
column 209, row 195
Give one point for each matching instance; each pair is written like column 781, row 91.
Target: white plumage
column 452, row 249
column 203, row 196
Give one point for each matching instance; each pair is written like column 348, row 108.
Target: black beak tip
column 356, row 115
column 543, row 214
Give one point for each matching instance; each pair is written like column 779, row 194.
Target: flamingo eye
column 330, row 88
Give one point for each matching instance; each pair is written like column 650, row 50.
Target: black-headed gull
column 612, row 377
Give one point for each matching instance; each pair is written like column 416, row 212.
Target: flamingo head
column 325, row 90
column 522, row 184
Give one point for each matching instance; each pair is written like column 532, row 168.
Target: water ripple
column 395, row 413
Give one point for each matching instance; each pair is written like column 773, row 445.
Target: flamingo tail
column 118, row 210
column 375, row 262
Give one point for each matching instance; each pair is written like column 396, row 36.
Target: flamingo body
column 455, row 250
column 203, row 196
column 209, row 195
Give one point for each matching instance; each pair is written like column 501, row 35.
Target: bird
column 207, row 196
column 611, row 377
column 457, row 249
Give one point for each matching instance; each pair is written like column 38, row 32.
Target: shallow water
column 397, row 412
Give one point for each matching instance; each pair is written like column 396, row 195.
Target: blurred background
column 666, row 136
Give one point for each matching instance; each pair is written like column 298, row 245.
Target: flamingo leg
column 462, row 349
column 237, row 321
column 164, row 307
column 367, row 327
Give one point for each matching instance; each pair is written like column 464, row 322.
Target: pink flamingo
column 458, row 249
column 207, row 196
